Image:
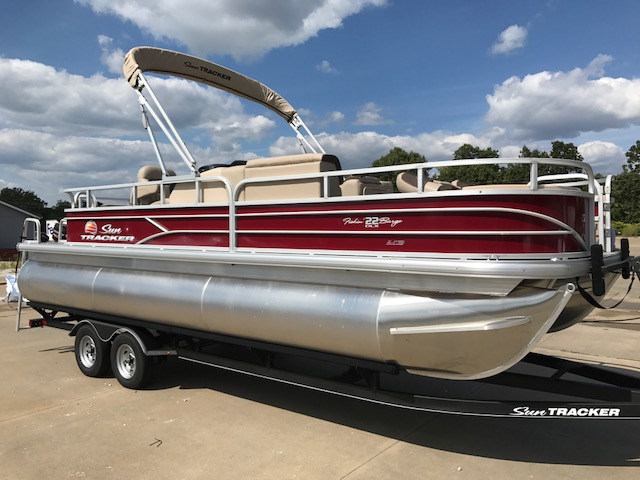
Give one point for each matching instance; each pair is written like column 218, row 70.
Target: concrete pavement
column 605, row 336
column 201, row 423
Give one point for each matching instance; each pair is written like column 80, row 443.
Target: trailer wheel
column 128, row 361
column 92, row 354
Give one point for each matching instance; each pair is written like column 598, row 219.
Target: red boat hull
column 466, row 224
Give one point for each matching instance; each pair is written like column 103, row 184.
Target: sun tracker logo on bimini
column 214, row 73
column 566, row 412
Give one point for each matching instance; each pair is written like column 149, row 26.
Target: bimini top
column 157, row 60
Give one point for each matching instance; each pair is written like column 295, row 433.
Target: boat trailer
column 539, row 386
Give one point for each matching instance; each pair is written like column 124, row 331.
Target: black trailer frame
column 539, row 386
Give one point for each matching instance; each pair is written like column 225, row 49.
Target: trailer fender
column 107, row 332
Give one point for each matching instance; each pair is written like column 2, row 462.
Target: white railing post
column 606, row 206
column 420, row 180
column 533, row 175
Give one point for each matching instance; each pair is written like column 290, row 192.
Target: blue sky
column 366, row 76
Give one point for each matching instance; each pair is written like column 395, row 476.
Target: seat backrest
column 407, row 182
column 364, row 185
column 216, row 191
column 210, row 191
column 183, row 193
column 147, row 194
column 306, row 163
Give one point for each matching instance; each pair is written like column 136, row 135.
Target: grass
column 8, row 264
column 626, row 229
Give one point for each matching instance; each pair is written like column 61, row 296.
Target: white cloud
column 510, row 151
column 512, row 38
column 325, row 67
column 46, row 163
column 369, row 114
column 111, row 57
column 312, row 119
column 241, row 28
column 37, row 96
column 228, row 136
column 63, row 130
column 550, row 105
column 59, row 130
column 358, row 150
column 604, row 157
column 335, row 117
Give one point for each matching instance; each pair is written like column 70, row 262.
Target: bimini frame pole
column 296, row 123
column 147, row 127
column 164, row 123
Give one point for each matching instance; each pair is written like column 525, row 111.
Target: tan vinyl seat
column 216, row 191
column 407, row 182
column 517, row 186
column 147, row 194
column 461, row 184
column 507, row 186
column 307, row 163
column 364, row 185
column 310, row 163
column 184, row 193
column 499, row 186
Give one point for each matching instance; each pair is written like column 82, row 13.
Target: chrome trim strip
column 548, row 218
column 160, row 215
column 463, row 266
column 491, row 324
column 410, row 232
column 567, row 291
column 156, row 224
column 172, row 232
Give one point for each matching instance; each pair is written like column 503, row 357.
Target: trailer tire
column 92, row 354
column 128, row 361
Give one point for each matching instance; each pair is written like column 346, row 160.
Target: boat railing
column 80, row 195
column 31, row 233
column 603, row 200
column 31, row 230
column 102, row 196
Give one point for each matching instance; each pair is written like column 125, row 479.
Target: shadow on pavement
column 549, row 441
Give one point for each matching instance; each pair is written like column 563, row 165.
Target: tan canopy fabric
column 157, row 60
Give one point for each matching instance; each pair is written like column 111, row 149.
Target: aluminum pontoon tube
column 461, row 336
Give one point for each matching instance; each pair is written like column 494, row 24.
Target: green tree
column 562, row 150
column 565, row 150
column 518, row 172
column 57, row 211
column 477, row 174
column 468, row 151
column 626, row 188
column 24, row 199
column 526, row 152
column 397, row 156
column 633, row 159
